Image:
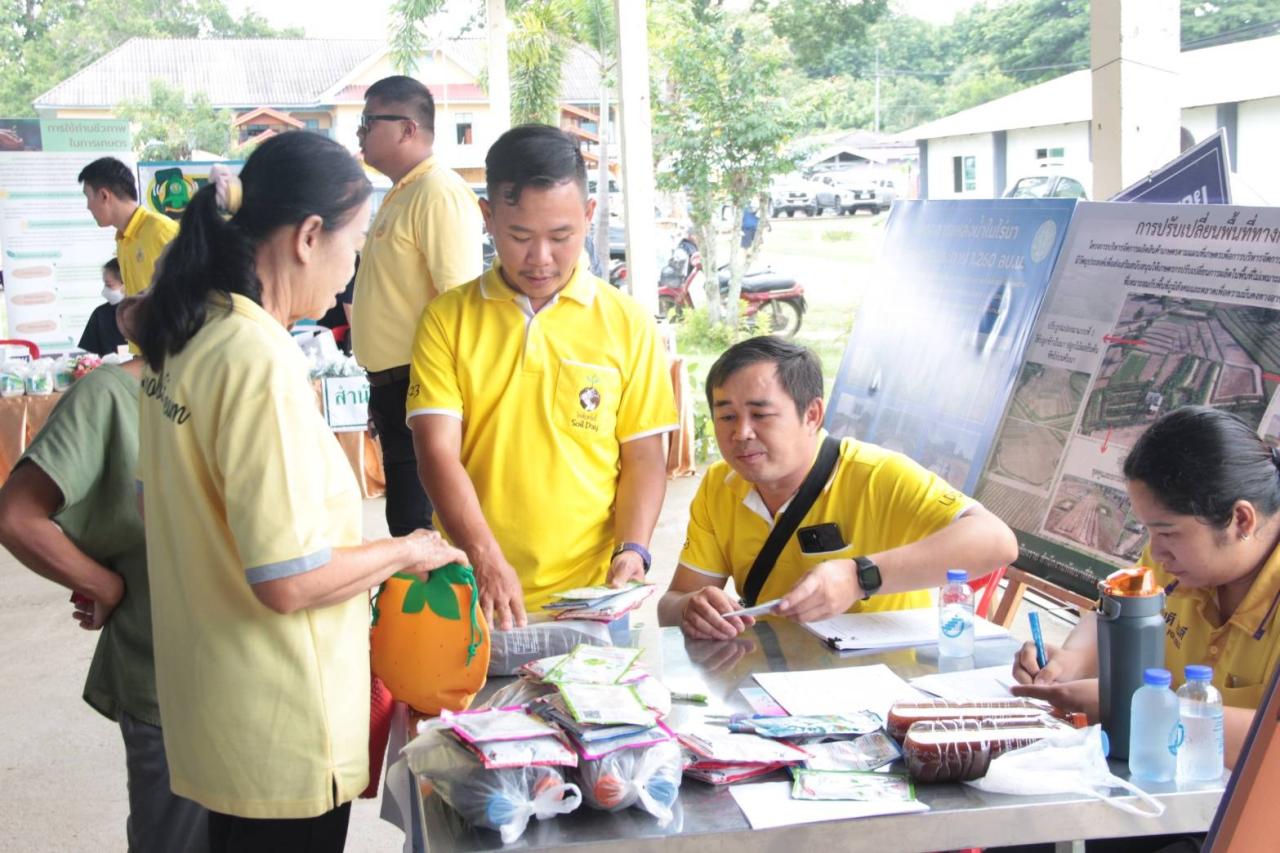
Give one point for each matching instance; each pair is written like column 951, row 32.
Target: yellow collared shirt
column 139, row 245
column 424, row 240
column 878, row 499
column 1195, row 633
column 265, row 715
column 546, row 402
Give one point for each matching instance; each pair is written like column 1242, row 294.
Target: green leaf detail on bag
column 436, row 592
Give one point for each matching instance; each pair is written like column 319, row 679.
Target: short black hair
column 799, row 371
column 408, row 93
column 113, row 266
column 108, row 173
column 533, row 155
column 1199, row 461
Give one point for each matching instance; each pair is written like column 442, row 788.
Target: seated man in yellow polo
column 538, row 396
column 881, row 532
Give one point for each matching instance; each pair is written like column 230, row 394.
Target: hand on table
column 701, row 619
column 1078, row 695
column 501, row 596
column 1063, row 665
column 825, row 590
column 626, row 567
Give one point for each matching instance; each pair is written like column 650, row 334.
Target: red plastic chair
column 340, row 333
column 984, row 590
column 18, row 342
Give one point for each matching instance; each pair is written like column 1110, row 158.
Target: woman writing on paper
column 259, row 580
column 1208, row 490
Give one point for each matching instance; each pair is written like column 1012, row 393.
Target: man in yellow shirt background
column 424, row 240
column 539, row 395
column 111, row 194
column 882, row 531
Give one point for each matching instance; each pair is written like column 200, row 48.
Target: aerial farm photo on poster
column 1095, row 517
column 1166, row 352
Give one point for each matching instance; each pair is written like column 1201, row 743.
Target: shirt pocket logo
column 587, row 397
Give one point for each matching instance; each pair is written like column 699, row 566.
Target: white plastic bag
column 648, row 777
column 1071, row 762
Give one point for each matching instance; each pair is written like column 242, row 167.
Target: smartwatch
column 868, row 576
column 645, row 557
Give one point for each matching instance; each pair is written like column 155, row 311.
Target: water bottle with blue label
column 1154, row 731
column 955, row 616
column 1200, row 710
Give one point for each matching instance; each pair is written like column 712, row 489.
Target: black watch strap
column 868, row 576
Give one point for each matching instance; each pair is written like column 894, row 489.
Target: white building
column 980, row 152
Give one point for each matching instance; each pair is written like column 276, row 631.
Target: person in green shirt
column 69, row 513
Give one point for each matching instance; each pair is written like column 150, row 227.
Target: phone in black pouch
column 820, row 538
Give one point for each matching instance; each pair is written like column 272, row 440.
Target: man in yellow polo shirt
column 881, row 533
column 111, row 195
column 424, row 240
column 539, row 395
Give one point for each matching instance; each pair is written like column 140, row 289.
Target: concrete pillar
column 1137, row 114
column 499, row 69
column 637, row 150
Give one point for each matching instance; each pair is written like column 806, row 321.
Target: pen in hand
column 1041, row 658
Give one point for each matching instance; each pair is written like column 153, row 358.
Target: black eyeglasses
column 366, row 120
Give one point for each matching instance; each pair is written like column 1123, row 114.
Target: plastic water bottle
column 1154, row 731
column 955, row 616
column 1200, row 710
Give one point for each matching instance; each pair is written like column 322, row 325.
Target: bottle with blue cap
column 955, row 616
column 1200, row 711
column 1155, row 734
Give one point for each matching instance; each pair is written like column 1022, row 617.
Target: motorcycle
column 779, row 297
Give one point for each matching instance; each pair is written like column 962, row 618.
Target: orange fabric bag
column 430, row 642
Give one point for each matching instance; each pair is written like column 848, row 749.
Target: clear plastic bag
column 503, row 800
column 512, row 649
column 522, row 691
column 648, row 778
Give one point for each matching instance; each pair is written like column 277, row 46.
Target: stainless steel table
column 708, row 819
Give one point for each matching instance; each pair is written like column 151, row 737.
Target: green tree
column 171, row 127
column 974, row 83
column 49, row 40
column 819, row 30
column 722, row 125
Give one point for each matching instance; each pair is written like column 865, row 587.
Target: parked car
column 1047, row 185
column 886, row 192
column 794, row 192
column 857, row 191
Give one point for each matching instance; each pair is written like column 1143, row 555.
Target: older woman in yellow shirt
column 259, row 576
column 1208, row 490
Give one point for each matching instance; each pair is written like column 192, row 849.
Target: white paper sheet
column 769, row 804
column 891, row 629
column 838, row 691
column 992, row 682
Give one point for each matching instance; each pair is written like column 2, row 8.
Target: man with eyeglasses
column 424, row 240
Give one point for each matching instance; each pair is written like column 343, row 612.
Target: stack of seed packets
column 509, row 737
column 599, row 603
column 718, row 757
column 603, row 701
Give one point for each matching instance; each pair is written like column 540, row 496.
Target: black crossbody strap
column 809, row 490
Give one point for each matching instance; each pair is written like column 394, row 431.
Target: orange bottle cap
column 1136, row 581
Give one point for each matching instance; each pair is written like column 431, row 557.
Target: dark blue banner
column 1199, row 175
column 937, row 342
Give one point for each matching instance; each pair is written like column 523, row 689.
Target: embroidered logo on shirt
column 589, row 399
column 140, row 256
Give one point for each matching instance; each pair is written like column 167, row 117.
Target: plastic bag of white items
column 648, row 777
column 39, row 377
column 522, row 691
column 494, row 799
column 510, row 650
column 13, row 376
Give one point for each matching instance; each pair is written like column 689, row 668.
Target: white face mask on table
column 113, row 296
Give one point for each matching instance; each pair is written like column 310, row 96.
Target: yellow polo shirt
column 139, row 245
column 878, row 498
column 424, row 240
column 1196, row 634
column 546, row 402
column 265, row 715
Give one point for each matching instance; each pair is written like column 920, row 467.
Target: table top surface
column 706, row 816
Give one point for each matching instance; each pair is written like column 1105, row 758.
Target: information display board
column 1199, row 175
column 53, row 250
column 1152, row 307
column 938, row 340
column 167, row 186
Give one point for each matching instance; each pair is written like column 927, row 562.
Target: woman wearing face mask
column 101, row 334
column 1208, row 490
